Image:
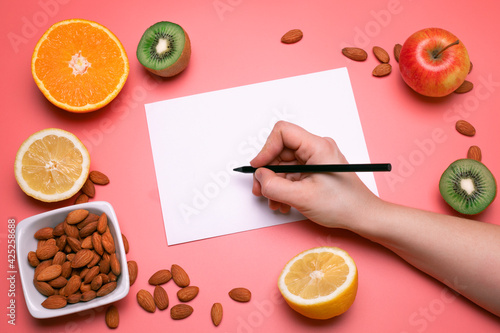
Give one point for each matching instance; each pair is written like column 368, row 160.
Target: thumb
column 276, row 188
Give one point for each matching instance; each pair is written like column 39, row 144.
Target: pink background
column 237, row 42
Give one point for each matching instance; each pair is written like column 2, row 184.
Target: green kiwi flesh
column 161, row 45
column 468, row 186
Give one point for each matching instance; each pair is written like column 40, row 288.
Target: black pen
column 320, row 168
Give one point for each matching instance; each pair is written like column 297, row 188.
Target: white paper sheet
column 197, row 141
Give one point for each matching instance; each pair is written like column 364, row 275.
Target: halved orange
column 320, row 283
column 79, row 65
column 52, row 165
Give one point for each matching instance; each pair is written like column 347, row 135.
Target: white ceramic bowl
column 25, row 242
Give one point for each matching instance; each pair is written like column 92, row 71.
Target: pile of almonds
column 76, row 260
column 159, row 299
column 88, row 188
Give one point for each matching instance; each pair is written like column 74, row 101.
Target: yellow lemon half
column 52, row 165
column 320, row 283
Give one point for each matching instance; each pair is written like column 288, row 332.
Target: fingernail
column 258, row 174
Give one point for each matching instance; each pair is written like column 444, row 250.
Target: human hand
column 330, row 199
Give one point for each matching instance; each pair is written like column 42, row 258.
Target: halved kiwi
column 164, row 49
column 468, row 186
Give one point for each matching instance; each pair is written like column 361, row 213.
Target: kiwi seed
column 468, row 186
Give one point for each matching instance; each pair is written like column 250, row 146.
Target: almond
column 44, row 233
column 132, row 271
column 160, row 277
column 102, row 223
column 88, row 295
column 240, row 294
column 114, row 264
column 97, row 243
column 188, row 293
column 465, row 128
column 61, row 242
column 180, row 311
column 82, row 198
column 107, row 242
column 382, row 70
column 179, row 276
column 58, row 282
column 355, row 53
column 59, row 258
column 88, row 188
column 91, row 274
column 106, row 289
column 72, row 286
column 49, row 273
column 55, row 302
column 74, row 298
column 381, row 54
column 33, row 259
column 41, row 266
column 87, row 243
column 160, row 297
column 292, row 36
column 146, row 301
column 76, row 216
column 74, row 244
column 82, row 258
column 470, row 67
column 88, row 229
column 46, row 252
column 58, row 230
column 216, row 313
column 397, row 51
column 90, row 218
column 112, row 317
column 474, row 153
column 71, row 230
column 96, row 283
column 125, row 243
column 66, row 269
column 98, row 178
column 464, row 87
column 94, row 261
column 43, row 288
column 104, row 266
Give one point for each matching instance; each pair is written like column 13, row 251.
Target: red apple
column 433, row 62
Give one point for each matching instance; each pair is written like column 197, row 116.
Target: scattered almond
column 355, row 53
column 382, row 70
column 146, row 300
column 160, row 297
column 88, row 188
column 474, row 153
column 397, row 51
column 98, row 178
column 112, row 317
column 465, row 128
column 292, row 36
column 160, row 277
column 381, row 54
column 82, row 198
column 465, row 87
column 188, row 293
column 216, row 313
column 179, row 276
column 132, row 271
column 180, row 311
column 240, row 294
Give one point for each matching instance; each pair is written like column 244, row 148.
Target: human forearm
column 463, row 254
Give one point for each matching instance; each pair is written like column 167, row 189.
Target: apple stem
column 454, row 43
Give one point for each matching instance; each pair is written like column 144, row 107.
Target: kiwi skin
column 485, row 187
column 179, row 65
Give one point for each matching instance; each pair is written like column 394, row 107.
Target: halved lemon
column 320, row 283
column 52, row 165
